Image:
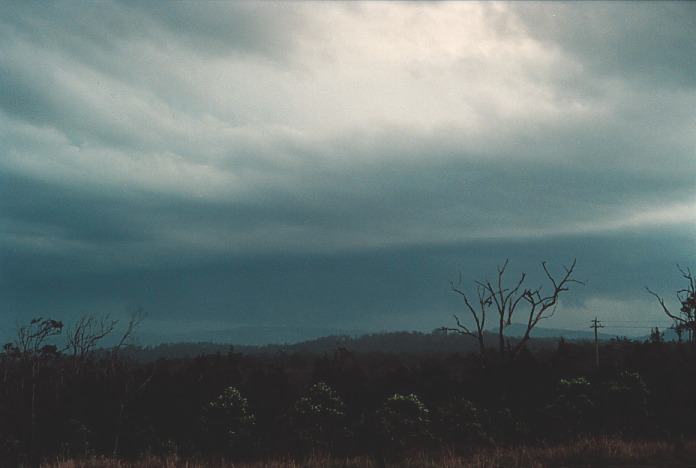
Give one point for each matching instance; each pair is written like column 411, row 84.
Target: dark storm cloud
column 378, row 204
column 255, row 163
column 386, row 289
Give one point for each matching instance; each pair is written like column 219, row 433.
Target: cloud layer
column 154, row 137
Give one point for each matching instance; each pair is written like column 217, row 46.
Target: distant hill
column 280, row 335
column 246, row 335
column 436, row 342
column 393, row 342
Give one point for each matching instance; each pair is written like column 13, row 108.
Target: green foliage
column 404, row 421
column 230, row 421
column 630, row 390
column 625, row 401
column 460, row 423
column 319, row 417
column 572, row 409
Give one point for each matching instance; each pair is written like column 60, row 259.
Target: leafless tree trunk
column 478, row 315
column 129, row 392
column 504, row 300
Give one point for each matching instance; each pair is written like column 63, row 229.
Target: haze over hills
column 255, row 339
column 247, row 335
column 278, row 335
column 518, row 329
column 405, row 342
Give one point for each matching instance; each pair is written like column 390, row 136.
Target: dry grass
column 595, row 452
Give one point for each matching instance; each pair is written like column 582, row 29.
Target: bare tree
column 477, row 313
column 502, row 302
column 684, row 321
column 136, row 318
column 84, row 335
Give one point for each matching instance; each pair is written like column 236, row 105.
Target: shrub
column 319, row 417
column 230, row 422
column 505, row 427
column 404, row 421
column 572, row 409
column 625, row 402
column 459, row 423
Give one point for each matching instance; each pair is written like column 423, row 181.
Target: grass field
column 592, row 452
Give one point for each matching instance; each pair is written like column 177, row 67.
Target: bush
column 319, row 417
column 404, row 421
column 230, row 422
column 572, row 409
column 505, row 427
column 459, row 423
column 625, row 402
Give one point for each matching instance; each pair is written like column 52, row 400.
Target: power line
column 596, row 324
column 643, row 327
column 629, row 321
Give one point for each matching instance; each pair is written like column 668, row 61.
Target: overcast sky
column 335, row 165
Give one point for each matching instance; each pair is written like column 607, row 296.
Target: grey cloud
column 69, row 211
column 438, row 194
column 98, row 29
column 70, row 64
column 648, row 41
column 268, row 29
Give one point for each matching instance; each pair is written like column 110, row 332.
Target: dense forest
column 79, row 400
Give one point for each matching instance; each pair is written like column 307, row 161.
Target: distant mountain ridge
column 280, row 335
column 413, row 342
column 247, row 335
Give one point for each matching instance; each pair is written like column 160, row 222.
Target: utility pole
column 596, row 324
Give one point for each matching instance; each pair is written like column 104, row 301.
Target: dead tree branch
column 685, row 319
column 494, row 297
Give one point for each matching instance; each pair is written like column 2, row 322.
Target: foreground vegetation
column 588, row 452
column 360, row 408
column 513, row 405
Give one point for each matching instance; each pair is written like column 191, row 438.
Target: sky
column 335, row 165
